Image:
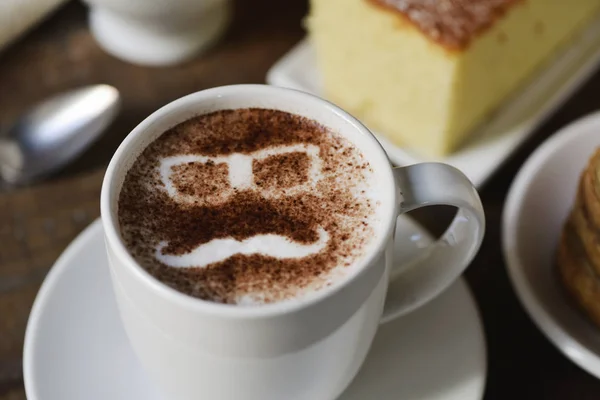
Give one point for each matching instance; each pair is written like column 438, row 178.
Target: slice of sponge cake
column 426, row 72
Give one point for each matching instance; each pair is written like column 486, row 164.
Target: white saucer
column 76, row 348
column 499, row 137
column 538, row 203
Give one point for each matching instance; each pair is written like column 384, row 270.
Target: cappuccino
column 249, row 206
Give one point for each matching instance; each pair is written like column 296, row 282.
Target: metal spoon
column 55, row 132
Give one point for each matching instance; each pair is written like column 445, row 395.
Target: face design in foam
column 240, row 177
column 249, row 206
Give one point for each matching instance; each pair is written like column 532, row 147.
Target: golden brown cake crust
column 577, row 275
column 451, row 23
column 578, row 255
column 590, row 189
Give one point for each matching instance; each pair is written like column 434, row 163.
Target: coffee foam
column 218, row 250
column 249, row 206
column 240, row 173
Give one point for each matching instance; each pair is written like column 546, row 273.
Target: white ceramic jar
column 157, row 32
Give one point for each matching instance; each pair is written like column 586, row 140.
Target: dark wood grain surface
column 36, row 223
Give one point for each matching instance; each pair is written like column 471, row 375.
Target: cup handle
column 438, row 265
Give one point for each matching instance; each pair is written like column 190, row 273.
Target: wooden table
column 39, row 221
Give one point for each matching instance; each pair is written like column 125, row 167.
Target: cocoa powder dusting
column 200, row 180
column 148, row 215
column 281, row 171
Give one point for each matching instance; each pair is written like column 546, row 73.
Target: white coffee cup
column 157, row 32
column 309, row 349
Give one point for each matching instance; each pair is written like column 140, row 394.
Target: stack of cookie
column 579, row 248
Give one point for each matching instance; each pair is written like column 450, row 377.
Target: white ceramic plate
column 76, row 348
column 495, row 140
column 538, row 204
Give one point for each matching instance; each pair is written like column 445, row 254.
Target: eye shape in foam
column 240, row 174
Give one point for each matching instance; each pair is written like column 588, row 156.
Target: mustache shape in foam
column 218, row 250
column 240, row 172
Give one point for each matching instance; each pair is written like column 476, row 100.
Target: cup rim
column 113, row 239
